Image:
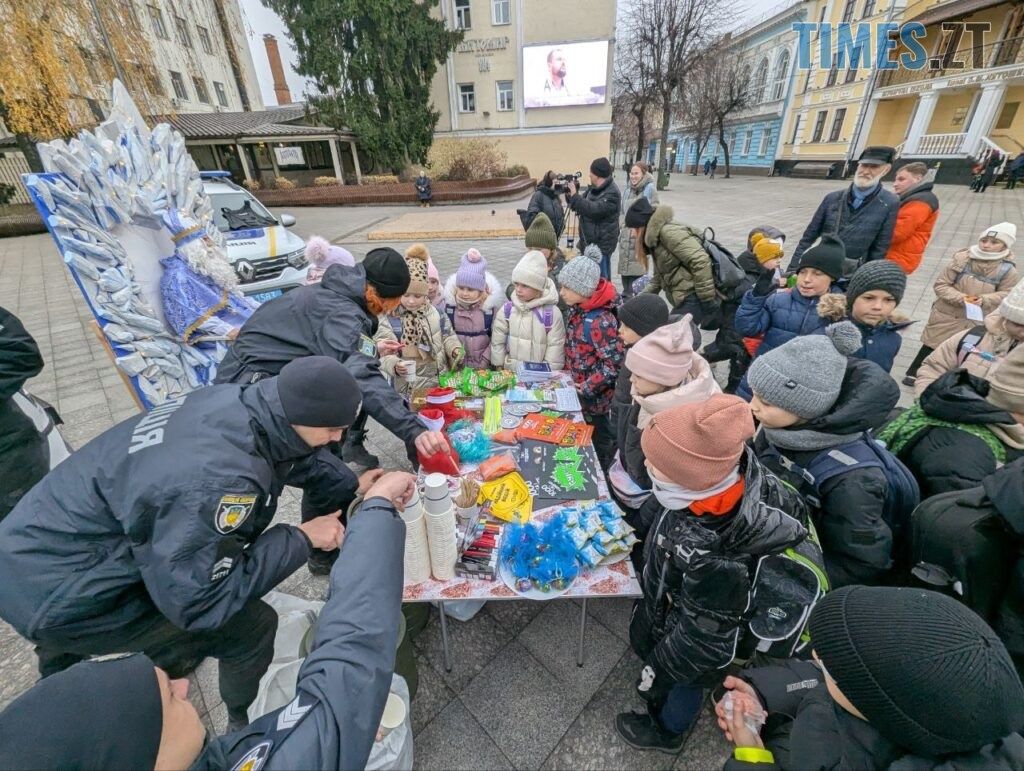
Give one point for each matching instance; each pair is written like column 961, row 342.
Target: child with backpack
column 434, row 294
column 428, row 343
column 718, row 561
column 529, row 326
column 814, row 406
column 874, row 291
column 472, row 296
column 981, row 275
column 901, row 679
column 593, row 348
column 779, row 315
column 980, row 349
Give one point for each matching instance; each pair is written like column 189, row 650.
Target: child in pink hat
column 472, row 296
column 322, row 255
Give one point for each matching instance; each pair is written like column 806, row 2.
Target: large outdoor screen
column 565, row 74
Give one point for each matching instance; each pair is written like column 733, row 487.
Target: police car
column 268, row 258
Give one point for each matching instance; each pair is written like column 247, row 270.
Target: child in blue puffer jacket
column 782, row 314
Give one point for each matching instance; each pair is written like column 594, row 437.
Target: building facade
column 495, row 85
column 767, row 51
column 948, row 115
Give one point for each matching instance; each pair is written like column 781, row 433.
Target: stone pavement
column 515, row 697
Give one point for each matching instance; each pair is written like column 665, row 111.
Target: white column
column 355, row 162
column 273, row 160
column 985, row 114
column 865, row 127
column 244, row 160
column 336, row 160
column 922, row 117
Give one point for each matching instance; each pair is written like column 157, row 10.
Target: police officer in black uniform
column 154, row 536
column 145, row 720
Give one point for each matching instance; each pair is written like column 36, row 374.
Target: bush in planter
column 252, row 185
column 380, row 179
column 466, row 159
column 516, row 170
column 459, row 171
column 326, row 181
column 283, row 183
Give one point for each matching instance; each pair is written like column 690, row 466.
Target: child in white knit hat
column 529, row 327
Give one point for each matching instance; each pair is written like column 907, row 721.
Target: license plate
column 262, row 297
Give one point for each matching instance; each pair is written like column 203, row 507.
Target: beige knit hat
column 698, row 445
column 531, row 270
column 417, row 262
column 665, row 355
column 1006, row 383
column 1012, row 306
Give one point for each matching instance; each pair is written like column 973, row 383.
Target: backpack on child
column 995, row 279
column 725, row 269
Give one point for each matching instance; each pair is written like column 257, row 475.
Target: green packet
column 478, row 382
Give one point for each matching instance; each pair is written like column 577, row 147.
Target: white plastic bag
column 462, row 610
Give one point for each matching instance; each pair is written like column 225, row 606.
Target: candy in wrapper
column 592, row 523
column 599, row 547
column 578, row 536
column 603, row 537
column 590, row 556
column 617, row 527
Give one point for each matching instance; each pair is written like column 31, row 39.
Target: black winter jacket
column 24, row 458
column 865, row 232
column 857, row 543
column 325, row 319
column 165, row 513
column 545, row 200
column 807, row 729
column 598, row 210
column 698, row 575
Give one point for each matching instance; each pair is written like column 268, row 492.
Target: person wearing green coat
column 682, row 269
column 633, row 265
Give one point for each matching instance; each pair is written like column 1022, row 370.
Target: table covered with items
column 520, row 509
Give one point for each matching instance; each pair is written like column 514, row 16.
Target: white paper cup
column 414, row 508
column 394, row 714
column 435, row 486
column 410, row 370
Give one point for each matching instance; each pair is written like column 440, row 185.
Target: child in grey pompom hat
column 813, row 398
column 582, row 274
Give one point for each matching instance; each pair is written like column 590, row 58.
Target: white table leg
column 445, row 652
column 583, row 630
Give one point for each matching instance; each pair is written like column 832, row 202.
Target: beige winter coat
column 948, row 314
column 945, row 358
column 442, row 356
column 523, row 337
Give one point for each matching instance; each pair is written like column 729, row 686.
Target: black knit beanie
column 93, row 715
column 827, row 256
column 877, row 274
column 317, row 391
column 386, row 272
column 644, row 313
column 924, row 669
column 601, row 167
column 639, row 213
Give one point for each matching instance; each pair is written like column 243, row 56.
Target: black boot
column 354, row 451
column 641, row 731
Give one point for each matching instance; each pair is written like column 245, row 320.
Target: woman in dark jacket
column 545, row 200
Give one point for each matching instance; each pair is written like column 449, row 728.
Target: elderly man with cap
column 862, row 216
column 338, row 318
column 154, row 536
column 598, row 210
column 145, row 719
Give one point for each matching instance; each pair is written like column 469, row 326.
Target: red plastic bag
column 446, row 463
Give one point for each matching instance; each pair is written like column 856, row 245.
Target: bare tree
column 695, row 116
column 675, row 34
column 634, row 80
column 723, row 90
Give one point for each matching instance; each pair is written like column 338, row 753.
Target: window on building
column 757, row 86
column 833, row 76
column 848, row 11
column 851, row 75
column 869, row 8
column 501, row 12
column 819, row 125
column 747, row 141
column 156, row 18
column 781, row 73
column 202, row 93
column 462, row 17
column 837, row 124
column 506, row 96
column 178, row 84
column 798, row 127
column 204, row 39
column 766, row 141
column 1006, row 115
column 735, row 142
column 467, row 97
column 222, row 94
column 183, row 34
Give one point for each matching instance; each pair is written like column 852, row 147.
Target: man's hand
column 325, row 532
column 389, row 347
column 395, row 486
column 432, row 442
column 571, row 189
column 367, row 478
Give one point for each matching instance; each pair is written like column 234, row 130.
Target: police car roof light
column 217, row 174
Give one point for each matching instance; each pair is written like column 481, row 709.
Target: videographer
column 598, row 210
column 546, row 200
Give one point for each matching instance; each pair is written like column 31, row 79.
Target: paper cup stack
column 440, row 517
column 417, row 554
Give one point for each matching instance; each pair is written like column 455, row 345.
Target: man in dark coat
column 147, row 721
column 862, row 216
column 24, row 459
column 545, row 200
column 153, row 537
column 598, row 210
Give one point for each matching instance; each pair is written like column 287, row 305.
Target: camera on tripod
column 560, row 184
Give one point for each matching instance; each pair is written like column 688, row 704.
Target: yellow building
column 533, row 75
column 949, row 113
column 824, row 127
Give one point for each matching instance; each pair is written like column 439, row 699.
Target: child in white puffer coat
column 529, row 327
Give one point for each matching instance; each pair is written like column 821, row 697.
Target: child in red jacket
column 593, row 348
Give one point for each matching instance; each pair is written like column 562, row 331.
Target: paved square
column 515, row 698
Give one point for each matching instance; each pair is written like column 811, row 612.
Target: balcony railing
column 1001, row 54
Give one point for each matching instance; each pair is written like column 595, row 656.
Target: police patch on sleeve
column 232, row 511
column 255, row 758
column 367, row 347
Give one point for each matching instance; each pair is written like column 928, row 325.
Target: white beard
column 210, row 261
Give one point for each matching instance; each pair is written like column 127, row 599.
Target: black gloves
column 766, row 283
column 710, row 315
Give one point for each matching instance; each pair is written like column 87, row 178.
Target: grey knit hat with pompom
column 804, row 375
column 583, row 273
